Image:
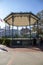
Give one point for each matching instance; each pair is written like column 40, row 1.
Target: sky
column 8, row 6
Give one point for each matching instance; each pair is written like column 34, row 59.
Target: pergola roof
column 21, row 19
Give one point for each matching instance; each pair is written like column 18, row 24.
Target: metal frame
column 17, row 27
column 29, row 19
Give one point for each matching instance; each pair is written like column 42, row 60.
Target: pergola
column 21, row 19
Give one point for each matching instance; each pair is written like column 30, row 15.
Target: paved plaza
column 21, row 56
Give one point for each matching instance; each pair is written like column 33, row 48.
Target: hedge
column 5, row 41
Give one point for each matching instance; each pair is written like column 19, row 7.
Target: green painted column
column 9, row 31
column 12, row 29
column 5, row 29
column 37, row 29
column 30, row 25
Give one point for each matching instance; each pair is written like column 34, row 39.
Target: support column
column 9, row 31
column 5, row 29
column 17, row 30
column 38, row 40
column 12, row 24
column 26, row 28
column 12, row 29
column 29, row 18
column 29, row 25
column 37, row 30
column 34, row 27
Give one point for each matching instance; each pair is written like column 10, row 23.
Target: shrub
column 1, row 40
column 6, row 41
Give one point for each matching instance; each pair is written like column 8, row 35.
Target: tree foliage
column 40, row 14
